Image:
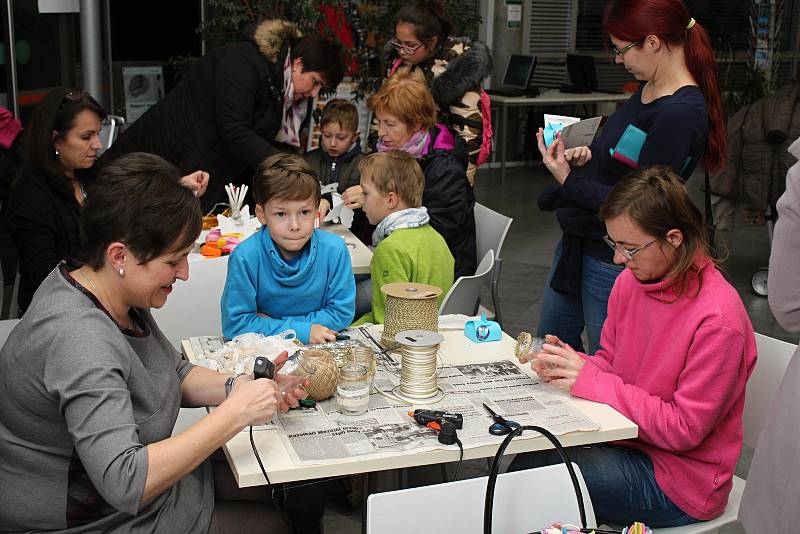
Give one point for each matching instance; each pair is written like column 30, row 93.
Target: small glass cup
column 296, row 370
column 352, row 389
column 365, row 356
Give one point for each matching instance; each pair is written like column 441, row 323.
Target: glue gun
column 424, row 417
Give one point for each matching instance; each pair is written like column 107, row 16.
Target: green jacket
column 409, row 255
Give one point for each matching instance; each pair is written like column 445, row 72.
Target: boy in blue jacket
column 289, row 274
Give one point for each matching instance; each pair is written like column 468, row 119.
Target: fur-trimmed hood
column 464, row 72
column 270, row 35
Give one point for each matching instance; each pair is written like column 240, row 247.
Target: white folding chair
column 465, row 293
column 773, row 358
column 491, row 228
column 193, row 308
column 5, row 330
column 110, row 130
column 524, row 501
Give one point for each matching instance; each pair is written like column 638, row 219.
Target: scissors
column 501, row 426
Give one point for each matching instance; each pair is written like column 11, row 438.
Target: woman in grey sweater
column 90, row 388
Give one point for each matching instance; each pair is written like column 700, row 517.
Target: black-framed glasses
column 404, row 48
column 627, row 253
column 619, row 52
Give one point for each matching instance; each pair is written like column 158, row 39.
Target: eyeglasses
column 627, row 253
column 619, row 52
column 404, row 48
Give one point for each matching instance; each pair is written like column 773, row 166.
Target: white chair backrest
column 5, row 330
column 193, row 308
column 773, row 358
column 110, row 130
column 524, row 501
column 463, row 296
column 491, row 228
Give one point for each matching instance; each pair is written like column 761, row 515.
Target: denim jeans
column 566, row 317
column 621, row 483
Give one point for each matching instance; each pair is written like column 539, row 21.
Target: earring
column 121, row 272
column 57, row 153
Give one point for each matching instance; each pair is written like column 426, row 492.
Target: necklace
column 129, row 325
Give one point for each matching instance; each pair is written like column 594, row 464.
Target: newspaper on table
column 324, row 435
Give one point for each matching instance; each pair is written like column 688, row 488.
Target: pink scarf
column 414, row 146
column 293, row 112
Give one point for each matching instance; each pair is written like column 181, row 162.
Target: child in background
column 337, row 159
column 407, row 248
column 288, row 275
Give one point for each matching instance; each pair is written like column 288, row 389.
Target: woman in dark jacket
column 236, row 105
column 43, row 210
column 406, row 116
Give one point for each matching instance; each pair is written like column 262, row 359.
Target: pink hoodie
column 678, row 369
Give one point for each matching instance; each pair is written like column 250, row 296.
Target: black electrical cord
column 490, row 485
column 261, row 465
column 460, row 459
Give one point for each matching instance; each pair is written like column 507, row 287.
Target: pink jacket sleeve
column 710, row 381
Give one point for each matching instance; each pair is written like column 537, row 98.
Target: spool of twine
column 322, row 383
column 409, row 306
column 419, row 378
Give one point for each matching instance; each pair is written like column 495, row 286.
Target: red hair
column 633, row 20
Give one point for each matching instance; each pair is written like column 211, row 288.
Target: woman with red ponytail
column 675, row 118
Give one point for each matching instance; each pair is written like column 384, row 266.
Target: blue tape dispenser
column 482, row 330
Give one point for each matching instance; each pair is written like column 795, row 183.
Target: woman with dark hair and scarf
column 238, row 105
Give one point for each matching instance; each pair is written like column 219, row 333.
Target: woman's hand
column 558, row 364
column 197, row 182
column 324, row 208
column 553, row 157
column 578, row 156
column 321, row 334
column 352, row 197
column 255, row 401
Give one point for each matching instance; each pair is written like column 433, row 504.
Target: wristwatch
column 229, row 383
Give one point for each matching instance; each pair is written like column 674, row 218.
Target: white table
column 550, row 97
column 456, row 349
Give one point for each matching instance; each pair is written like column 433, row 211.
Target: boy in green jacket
column 407, row 248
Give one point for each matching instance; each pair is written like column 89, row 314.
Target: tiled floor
column 527, row 254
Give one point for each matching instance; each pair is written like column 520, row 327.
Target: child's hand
column 578, row 156
column 352, row 197
column 324, row 208
column 321, row 334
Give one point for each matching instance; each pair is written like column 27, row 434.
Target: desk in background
column 455, row 349
column 550, row 97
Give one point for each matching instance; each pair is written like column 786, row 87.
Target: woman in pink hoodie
column 676, row 351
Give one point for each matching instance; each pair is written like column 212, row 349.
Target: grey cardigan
column 80, row 399
column 771, row 501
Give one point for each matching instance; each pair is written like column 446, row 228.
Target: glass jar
column 298, row 365
column 352, row 389
column 365, row 356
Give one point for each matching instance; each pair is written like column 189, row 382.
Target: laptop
column 517, row 78
column 583, row 76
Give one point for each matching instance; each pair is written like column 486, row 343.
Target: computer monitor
column 582, row 73
column 519, row 72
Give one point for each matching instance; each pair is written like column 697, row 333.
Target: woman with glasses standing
column 454, row 68
column 675, row 118
column 60, row 146
column 677, row 350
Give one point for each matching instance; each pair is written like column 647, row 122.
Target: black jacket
column 223, row 115
column 44, row 223
column 451, row 202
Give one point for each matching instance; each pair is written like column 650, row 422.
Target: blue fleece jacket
column 316, row 287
